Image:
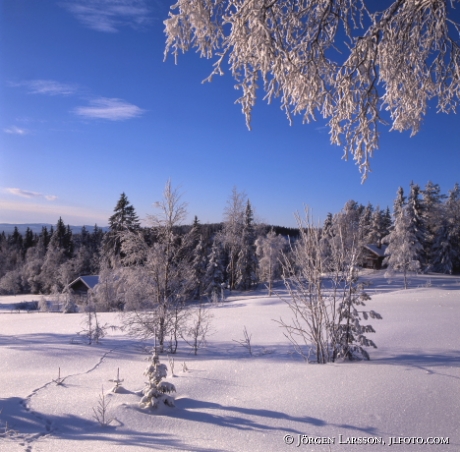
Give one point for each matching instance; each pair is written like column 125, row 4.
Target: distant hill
column 37, row 227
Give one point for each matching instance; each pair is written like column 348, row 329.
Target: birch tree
column 326, row 296
column 344, row 60
column 232, row 233
column 165, row 275
column 269, row 249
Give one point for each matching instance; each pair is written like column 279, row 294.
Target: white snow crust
column 229, row 400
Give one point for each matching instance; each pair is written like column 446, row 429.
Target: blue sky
column 88, row 110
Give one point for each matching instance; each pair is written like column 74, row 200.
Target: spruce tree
column 15, row 239
column 365, row 225
column 194, row 236
column 123, row 220
column 14, row 250
column 377, row 228
column 433, row 210
column 214, row 276
column 46, row 236
column 246, row 265
column 442, row 251
column 452, row 213
column 404, row 249
column 198, row 270
column 29, row 239
column 68, row 242
column 156, row 389
column 387, row 222
column 416, row 223
column 327, row 226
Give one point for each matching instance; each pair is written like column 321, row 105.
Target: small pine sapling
column 157, row 390
column 101, row 413
column 118, row 382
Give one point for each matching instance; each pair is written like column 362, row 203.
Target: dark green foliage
column 214, row 276
column 246, row 265
column 122, row 221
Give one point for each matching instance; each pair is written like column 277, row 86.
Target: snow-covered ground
column 229, row 400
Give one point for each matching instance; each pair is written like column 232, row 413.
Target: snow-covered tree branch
column 341, row 59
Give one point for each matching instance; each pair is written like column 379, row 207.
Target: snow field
column 228, row 400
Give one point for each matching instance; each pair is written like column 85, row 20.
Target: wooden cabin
column 372, row 256
column 83, row 284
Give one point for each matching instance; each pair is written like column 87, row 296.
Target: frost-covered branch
column 341, row 59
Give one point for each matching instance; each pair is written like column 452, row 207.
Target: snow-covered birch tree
column 165, row 275
column 232, row 232
column 344, row 60
column 269, row 249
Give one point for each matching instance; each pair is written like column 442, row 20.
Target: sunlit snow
column 228, row 400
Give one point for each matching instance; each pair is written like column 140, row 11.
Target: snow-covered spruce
column 156, row 390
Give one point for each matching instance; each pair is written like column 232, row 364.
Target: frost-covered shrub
column 70, row 307
column 326, row 297
column 93, row 330
column 43, row 304
column 197, row 328
column 157, row 390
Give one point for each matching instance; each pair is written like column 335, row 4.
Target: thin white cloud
column 24, row 193
column 109, row 15
column 49, row 87
column 29, row 194
column 109, row 108
column 16, row 130
column 29, row 212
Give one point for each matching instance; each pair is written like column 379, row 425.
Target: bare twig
column 59, row 381
column 246, row 342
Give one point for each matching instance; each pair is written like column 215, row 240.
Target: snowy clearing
column 229, row 400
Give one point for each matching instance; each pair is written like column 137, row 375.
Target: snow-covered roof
column 89, row 281
column 373, row 248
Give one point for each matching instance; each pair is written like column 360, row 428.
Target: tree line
column 421, row 234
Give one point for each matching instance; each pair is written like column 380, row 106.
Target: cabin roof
column 89, row 281
column 373, row 248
